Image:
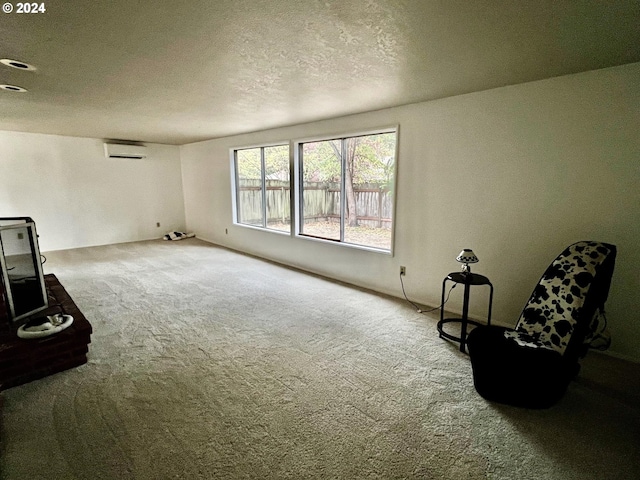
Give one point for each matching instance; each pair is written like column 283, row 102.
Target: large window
column 262, row 187
column 345, row 189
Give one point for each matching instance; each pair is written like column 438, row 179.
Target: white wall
column 79, row 198
column 516, row 173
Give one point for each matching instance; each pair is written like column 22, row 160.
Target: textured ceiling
column 179, row 71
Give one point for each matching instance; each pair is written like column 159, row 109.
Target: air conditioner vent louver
column 117, row 150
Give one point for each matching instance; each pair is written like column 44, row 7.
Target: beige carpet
column 208, row 364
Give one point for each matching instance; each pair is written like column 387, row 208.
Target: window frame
column 296, row 191
column 297, row 179
column 235, row 187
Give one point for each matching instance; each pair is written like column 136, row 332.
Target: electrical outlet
column 157, row 224
column 403, row 270
column 20, row 236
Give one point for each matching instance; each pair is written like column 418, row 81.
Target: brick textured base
column 24, row 360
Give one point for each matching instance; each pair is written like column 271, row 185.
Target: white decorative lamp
column 466, row 257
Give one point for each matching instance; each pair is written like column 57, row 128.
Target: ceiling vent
column 117, row 150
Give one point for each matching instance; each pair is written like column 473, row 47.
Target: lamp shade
column 467, row 256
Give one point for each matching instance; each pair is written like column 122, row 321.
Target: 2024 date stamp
column 27, row 7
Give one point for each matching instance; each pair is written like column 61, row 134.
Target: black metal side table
column 466, row 279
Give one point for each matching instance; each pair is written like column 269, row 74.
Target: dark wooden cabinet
column 24, row 360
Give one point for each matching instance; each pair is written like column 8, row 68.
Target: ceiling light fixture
column 13, row 88
column 17, row 64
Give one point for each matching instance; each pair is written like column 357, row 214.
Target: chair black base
column 507, row 373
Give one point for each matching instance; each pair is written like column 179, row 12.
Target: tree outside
column 369, row 166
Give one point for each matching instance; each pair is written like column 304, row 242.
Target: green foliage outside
column 276, row 161
column 370, row 158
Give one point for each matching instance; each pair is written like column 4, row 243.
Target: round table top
column 468, row 278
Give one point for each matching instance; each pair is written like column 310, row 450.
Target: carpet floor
column 209, row 364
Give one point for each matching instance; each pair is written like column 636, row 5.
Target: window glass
column 346, row 189
column 249, row 187
column 321, row 177
column 277, row 185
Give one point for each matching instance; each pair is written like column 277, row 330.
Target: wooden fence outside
column 374, row 203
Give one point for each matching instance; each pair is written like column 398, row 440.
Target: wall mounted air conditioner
column 117, row 150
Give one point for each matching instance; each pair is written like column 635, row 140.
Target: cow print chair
column 531, row 366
